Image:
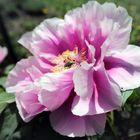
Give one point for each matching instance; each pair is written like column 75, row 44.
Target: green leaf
column 126, row 95
column 1, row 89
column 7, row 98
column 2, row 81
column 8, row 69
column 9, row 124
column 2, row 107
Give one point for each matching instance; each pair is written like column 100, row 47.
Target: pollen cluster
column 68, row 59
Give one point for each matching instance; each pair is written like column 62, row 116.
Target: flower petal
column 82, row 106
column 22, row 75
column 81, row 22
column 49, row 39
column 124, row 67
column 118, row 15
column 65, row 123
column 105, row 17
column 105, row 97
column 56, row 88
column 28, row 105
column 83, row 80
column 44, row 38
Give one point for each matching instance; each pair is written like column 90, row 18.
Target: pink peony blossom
column 79, row 66
column 3, row 53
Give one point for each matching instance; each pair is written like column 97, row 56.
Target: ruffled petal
column 124, row 67
column 118, row 15
column 82, row 106
column 105, row 17
column 80, row 21
column 55, row 89
column 47, row 40
column 23, row 81
column 83, row 80
column 65, row 123
column 25, row 72
column 106, row 96
column 28, row 105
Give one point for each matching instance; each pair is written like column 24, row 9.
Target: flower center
column 68, row 59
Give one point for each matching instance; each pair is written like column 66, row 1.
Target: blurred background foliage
column 20, row 16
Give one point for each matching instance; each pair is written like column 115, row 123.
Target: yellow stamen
column 68, row 59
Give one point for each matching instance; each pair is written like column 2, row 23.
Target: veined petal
column 25, row 72
column 83, row 80
column 56, row 88
column 65, row 123
column 82, row 106
column 118, row 15
column 28, row 105
column 105, row 97
column 44, row 38
column 129, row 55
column 124, row 67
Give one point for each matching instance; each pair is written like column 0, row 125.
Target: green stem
column 113, row 131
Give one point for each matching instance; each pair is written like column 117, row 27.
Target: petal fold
column 55, row 89
column 124, row 67
column 28, row 105
column 65, row 123
column 106, row 96
column 83, row 80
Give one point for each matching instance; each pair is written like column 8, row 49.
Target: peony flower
column 3, row 53
column 79, row 67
